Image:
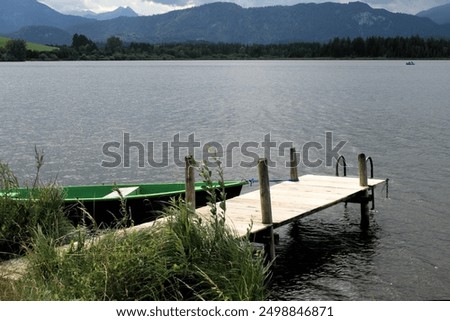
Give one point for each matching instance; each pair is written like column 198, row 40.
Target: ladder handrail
column 369, row 159
column 344, row 163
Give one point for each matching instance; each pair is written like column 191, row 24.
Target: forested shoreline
column 83, row 48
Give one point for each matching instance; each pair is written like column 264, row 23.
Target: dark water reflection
column 326, row 257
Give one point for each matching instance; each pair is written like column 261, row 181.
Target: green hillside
column 30, row 45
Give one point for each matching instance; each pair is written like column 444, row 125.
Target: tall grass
column 42, row 207
column 20, row 217
column 183, row 257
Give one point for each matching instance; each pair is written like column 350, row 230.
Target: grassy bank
column 186, row 257
column 183, row 259
column 30, row 46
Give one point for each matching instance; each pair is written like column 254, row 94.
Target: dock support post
column 363, row 181
column 266, row 205
column 293, row 165
column 190, row 182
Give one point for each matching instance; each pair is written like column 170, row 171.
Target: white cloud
column 406, row 6
column 148, row 7
column 142, row 7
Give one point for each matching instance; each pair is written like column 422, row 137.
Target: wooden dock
column 292, row 200
column 260, row 212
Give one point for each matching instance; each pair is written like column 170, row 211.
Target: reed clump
column 21, row 213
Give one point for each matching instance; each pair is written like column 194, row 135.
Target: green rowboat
column 144, row 202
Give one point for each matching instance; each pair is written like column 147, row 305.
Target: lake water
column 397, row 114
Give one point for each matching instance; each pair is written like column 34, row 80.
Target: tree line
column 83, row 48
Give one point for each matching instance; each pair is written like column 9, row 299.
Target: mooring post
column 264, row 191
column 190, row 181
column 266, row 206
column 293, row 165
column 363, row 181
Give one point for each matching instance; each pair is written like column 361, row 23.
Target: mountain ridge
column 119, row 12
column 17, row 14
column 439, row 14
column 223, row 22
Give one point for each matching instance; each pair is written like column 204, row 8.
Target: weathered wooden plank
column 289, row 196
column 337, row 180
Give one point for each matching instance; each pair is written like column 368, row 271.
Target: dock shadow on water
column 319, row 258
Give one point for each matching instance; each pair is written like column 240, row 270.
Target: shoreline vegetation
column 82, row 48
column 184, row 257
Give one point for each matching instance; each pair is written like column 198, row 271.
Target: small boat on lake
column 144, row 202
column 410, row 63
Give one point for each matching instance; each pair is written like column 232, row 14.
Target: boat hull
column 140, row 208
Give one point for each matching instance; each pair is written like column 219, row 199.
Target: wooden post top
column 362, row 167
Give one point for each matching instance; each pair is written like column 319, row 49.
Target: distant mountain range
column 217, row 22
column 440, row 14
column 16, row 14
column 119, row 12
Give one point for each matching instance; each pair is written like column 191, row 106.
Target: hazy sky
column 147, row 7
